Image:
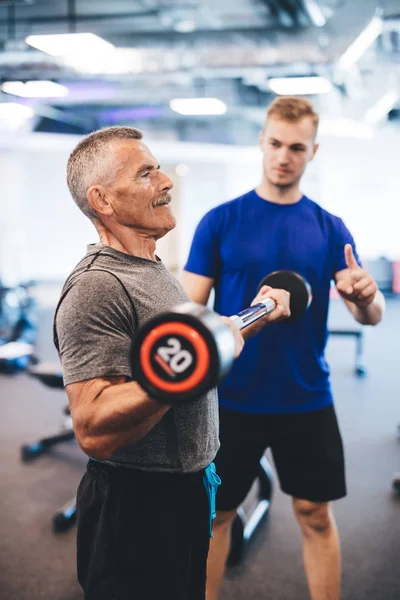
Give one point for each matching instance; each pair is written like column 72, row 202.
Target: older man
column 142, row 506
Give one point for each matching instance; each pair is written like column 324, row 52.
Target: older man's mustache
column 164, row 199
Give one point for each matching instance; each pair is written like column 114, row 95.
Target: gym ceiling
column 224, row 49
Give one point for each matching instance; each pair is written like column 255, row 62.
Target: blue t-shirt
column 282, row 369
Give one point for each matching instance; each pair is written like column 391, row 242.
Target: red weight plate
column 197, row 342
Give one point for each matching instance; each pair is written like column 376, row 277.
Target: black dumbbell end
column 296, row 285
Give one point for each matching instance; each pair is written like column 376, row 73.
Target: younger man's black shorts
column 306, row 447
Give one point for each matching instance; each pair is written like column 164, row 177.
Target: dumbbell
column 178, row 356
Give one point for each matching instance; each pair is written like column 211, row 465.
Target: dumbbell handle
column 253, row 313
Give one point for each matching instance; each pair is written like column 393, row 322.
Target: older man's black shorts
column 142, row 535
column 306, row 447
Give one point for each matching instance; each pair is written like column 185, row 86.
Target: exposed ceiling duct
column 229, row 51
column 213, row 49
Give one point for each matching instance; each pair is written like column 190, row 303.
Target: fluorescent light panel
column 198, row 106
column 361, row 44
column 35, row 89
column 315, row 13
column 382, row 108
column 185, row 26
column 116, row 61
column 69, row 43
column 300, row 86
column 13, row 110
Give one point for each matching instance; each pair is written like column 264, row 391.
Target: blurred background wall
column 44, row 234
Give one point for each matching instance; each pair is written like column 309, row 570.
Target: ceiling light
column 382, row 108
column 361, row 44
column 315, row 13
column 13, row 110
column 198, row 106
column 35, row 89
column 117, row 61
column 300, row 86
column 13, row 116
column 185, row 26
column 64, row 44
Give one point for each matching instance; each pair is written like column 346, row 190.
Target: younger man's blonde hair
column 293, row 109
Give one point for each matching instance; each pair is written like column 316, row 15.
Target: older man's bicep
column 109, row 413
column 83, row 394
column 85, row 398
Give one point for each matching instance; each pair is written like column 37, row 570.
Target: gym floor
column 35, row 563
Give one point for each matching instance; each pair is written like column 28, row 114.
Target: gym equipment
column 18, row 328
column 396, row 476
column 243, row 527
column 178, row 356
column 51, row 376
column 296, row 285
column 341, row 324
column 65, row 517
column 396, row 482
column 360, row 370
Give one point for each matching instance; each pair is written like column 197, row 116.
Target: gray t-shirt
column 108, row 295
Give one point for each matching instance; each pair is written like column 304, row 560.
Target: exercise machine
column 51, row 376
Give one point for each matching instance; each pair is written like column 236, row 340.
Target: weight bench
column 51, row 376
column 341, row 323
column 360, row 369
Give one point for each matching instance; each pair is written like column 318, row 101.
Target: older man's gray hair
column 92, row 162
